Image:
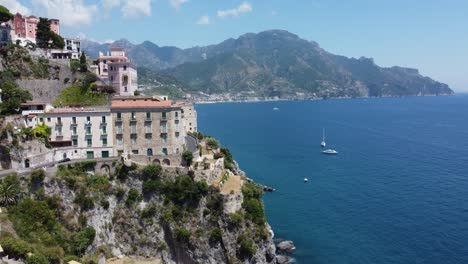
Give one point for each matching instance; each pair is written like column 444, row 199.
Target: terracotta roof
column 114, row 48
column 142, row 103
column 65, row 110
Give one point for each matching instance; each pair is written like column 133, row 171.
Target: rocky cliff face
column 181, row 221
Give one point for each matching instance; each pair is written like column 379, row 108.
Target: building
column 116, row 69
column 147, row 129
column 189, row 115
column 81, row 133
column 24, row 28
column 5, row 33
column 71, row 50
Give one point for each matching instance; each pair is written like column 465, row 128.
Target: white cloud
column 73, row 13
column 135, row 8
column 177, row 3
column 245, row 7
column 15, row 7
column 108, row 41
column 204, row 20
column 109, row 4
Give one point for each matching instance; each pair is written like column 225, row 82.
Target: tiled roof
column 33, row 103
column 65, row 110
column 142, row 103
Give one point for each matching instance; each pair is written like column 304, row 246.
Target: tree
column 83, row 63
column 12, row 97
column 212, row 143
column 5, row 14
column 152, row 171
column 46, row 38
column 187, row 156
column 9, row 190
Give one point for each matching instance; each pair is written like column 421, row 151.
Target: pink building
column 25, row 27
column 117, row 70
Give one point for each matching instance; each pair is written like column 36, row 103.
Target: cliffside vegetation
column 143, row 211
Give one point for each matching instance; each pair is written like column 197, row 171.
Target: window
column 90, row 154
column 89, row 142
column 75, row 142
column 177, row 134
column 48, row 119
column 119, row 141
column 41, row 120
column 74, row 132
column 103, row 119
column 119, row 129
column 125, row 89
column 88, row 120
column 88, row 130
column 149, row 152
column 105, row 154
column 59, row 131
column 74, row 120
column 133, row 128
column 104, row 130
column 148, row 138
column 133, row 115
column 111, row 68
column 163, row 128
column 133, row 140
column 104, row 141
column 112, row 78
column 164, row 139
column 163, row 116
column 164, row 151
column 119, row 116
column 148, row 115
column 135, row 151
column 148, row 128
column 59, row 120
column 177, row 124
column 125, row 67
column 176, row 114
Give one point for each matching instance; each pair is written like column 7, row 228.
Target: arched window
column 149, row 152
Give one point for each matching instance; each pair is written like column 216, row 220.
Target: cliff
column 146, row 212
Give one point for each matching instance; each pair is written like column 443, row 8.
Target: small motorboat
column 330, row 152
column 275, row 108
column 306, row 180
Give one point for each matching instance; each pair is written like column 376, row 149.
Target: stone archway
column 157, row 161
column 105, row 170
column 167, row 162
column 27, row 163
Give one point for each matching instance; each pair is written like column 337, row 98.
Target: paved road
column 51, row 166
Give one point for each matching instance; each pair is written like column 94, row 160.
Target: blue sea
column 396, row 193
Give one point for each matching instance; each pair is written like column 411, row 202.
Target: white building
column 71, row 50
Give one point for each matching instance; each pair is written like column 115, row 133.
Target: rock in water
column 286, row 246
column 283, row 259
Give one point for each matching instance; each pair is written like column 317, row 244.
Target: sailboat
column 323, row 144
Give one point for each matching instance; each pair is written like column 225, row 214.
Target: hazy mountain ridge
column 275, row 63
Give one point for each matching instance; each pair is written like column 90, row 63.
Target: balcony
column 58, row 134
column 88, row 133
column 58, row 123
column 88, row 123
column 119, row 132
column 103, row 133
column 73, row 124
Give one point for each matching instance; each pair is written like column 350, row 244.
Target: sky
column 430, row 35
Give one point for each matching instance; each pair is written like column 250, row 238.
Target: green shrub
column 152, row 171
column 185, row 191
column 215, row 203
column 187, row 156
column 246, row 249
column 133, row 197
column 212, row 143
column 82, row 240
column 182, row 235
column 15, row 248
column 36, row 259
column 120, row 193
column 149, row 211
column 85, row 202
column 37, row 177
column 152, row 186
column 216, row 235
column 98, row 183
column 254, row 211
column 54, row 255
column 36, row 223
column 235, row 219
column 9, row 190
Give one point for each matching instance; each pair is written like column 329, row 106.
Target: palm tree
column 8, row 194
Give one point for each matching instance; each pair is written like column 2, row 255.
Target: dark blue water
column 396, row 193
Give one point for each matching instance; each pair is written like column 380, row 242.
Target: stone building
column 189, row 115
column 147, row 129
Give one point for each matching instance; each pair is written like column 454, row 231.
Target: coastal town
column 143, row 129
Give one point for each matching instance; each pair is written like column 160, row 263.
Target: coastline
column 261, row 100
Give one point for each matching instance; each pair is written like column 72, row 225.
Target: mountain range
column 270, row 63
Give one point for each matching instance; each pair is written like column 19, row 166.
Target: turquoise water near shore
column 396, row 193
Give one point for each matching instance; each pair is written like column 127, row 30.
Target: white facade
column 71, row 50
column 81, row 133
column 189, row 116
